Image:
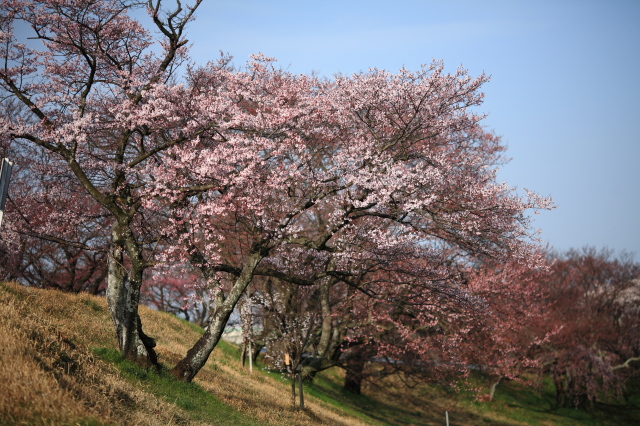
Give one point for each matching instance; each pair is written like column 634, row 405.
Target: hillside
column 53, row 347
column 59, row 365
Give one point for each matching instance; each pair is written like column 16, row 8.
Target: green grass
column 514, row 402
column 517, row 402
column 327, row 387
column 200, row 405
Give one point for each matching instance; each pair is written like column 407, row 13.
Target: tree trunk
column 243, row 354
column 326, row 357
column 123, row 294
column 331, row 339
column 251, row 350
column 353, row 377
column 559, row 380
column 198, row 355
column 494, row 385
column 255, row 352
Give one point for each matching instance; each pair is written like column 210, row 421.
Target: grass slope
column 59, row 365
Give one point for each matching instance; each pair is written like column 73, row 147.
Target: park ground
column 60, row 366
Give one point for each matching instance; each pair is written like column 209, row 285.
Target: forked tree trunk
column 198, row 355
column 243, row 355
column 123, row 295
column 332, row 337
column 256, row 349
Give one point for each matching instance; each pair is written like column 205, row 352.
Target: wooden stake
column 301, row 391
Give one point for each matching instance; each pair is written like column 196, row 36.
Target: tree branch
column 626, row 363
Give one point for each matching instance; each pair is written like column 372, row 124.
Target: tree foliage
column 593, row 300
column 374, row 193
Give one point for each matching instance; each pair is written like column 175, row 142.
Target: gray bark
column 332, row 336
column 494, row 385
column 198, row 355
column 123, row 295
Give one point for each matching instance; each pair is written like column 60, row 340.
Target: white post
column 446, row 413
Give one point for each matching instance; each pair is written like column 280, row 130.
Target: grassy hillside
column 59, row 365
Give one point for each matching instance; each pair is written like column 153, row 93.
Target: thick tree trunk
column 326, row 358
column 198, row 355
column 354, row 364
column 123, row 295
column 354, row 375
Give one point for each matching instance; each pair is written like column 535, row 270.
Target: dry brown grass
column 268, row 400
column 48, row 372
column 49, row 375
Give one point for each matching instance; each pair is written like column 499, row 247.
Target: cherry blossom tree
column 489, row 317
column 177, row 289
column 289, row 315
column 83, row 88
column 517, row 324
column 380, row 185
column 62, row 241
column 593, row 297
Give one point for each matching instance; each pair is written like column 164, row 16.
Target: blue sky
column 564, row 94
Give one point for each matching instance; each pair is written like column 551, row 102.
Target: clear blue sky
column 564, row 94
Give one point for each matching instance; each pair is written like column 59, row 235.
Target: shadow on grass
column 198, row 404
column 394, row 405
column 538, row 406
